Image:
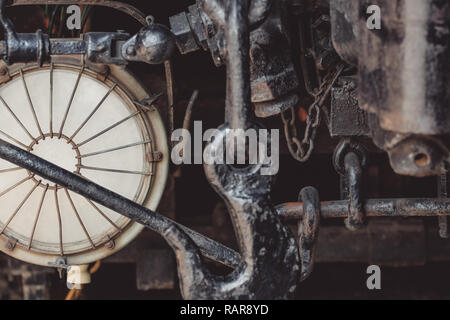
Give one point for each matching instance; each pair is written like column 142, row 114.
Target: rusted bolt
column 110, row 244
column 11, row 244
column 155, row 156
column 131, row 51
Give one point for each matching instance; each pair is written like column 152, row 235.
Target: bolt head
column 131, row 51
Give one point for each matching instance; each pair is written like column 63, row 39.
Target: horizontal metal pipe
column 152, row 220
column 373, row 208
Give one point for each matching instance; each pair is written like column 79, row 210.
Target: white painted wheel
column 68, row 115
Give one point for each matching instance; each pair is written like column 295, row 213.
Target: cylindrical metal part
column 403, row 65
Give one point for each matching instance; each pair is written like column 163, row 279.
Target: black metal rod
column 152, row 220
column 373, row 208
column 238, row 64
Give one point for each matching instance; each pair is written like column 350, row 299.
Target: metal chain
column 302, row 150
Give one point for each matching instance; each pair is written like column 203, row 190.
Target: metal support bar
column 373, row 208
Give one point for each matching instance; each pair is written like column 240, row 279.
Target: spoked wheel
column 77, row 119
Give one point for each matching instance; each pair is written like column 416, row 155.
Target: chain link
column 302, row 150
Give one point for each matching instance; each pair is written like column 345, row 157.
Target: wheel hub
column 58, row 150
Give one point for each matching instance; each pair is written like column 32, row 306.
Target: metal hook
column 270, row 260
column 269, row 267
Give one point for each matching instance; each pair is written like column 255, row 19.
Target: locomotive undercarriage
column 309, row 62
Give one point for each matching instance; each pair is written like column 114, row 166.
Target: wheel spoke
column 17, row 120
column 108, row 129
column 93, row 112
column 104, row 215
column 15, row 140
column 37, row 216
column 11, row 169
column 33, row 111
column 19, row 207
column 15, row 186
column 79, row 218
column 114, row 149
column 69, row 105
column 58, row 212
column 115, row 170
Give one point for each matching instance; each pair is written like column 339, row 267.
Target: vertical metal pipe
column 238, row 63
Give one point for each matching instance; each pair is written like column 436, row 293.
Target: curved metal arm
column 114, row 201
column 4, row 20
